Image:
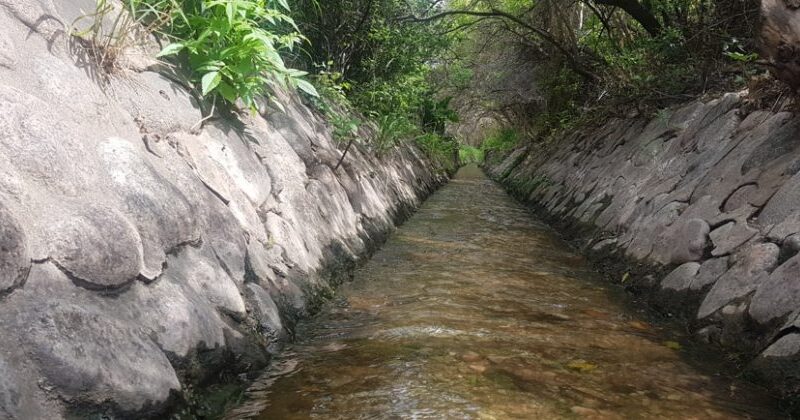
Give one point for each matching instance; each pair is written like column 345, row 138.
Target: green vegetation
column 470, row 154
column 100, row 36
column 371, row 63
column 498, row 143
column 231, row 47
column 507, row 71
column 442, row 150
column 543, row 66
column 501, row 140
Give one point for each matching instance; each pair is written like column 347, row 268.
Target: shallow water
column 475, row 310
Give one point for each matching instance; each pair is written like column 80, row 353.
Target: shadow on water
column 475, row 310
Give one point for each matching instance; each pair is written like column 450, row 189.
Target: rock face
column 140, row 252
column 708, row 198
column 780, row 38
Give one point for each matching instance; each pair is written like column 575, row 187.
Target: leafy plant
column 502, row 140
column 375, row 64
column 232, row 47
column 345, row 127
column 392, row 128
column 499, row 143
column 440, row 149
column 470, row 154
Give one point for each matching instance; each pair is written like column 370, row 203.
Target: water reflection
column 474, row 310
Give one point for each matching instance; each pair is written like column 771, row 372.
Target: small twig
column 200, row 123
column 346, row 149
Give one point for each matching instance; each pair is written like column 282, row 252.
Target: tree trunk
column 638, row 12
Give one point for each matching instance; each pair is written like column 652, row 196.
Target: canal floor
column 476, row 310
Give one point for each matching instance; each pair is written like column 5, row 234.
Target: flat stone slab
column 779, row 293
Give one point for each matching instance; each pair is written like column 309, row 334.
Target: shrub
column 499, row 143
column 440, row 149
column 392, row 128
column 501, row 140
column 470, row 154
column 232, row 48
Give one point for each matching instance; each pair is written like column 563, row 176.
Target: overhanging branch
column 499, row 14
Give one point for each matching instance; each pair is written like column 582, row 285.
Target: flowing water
column 475, row 310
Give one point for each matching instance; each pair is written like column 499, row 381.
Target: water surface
column 475, row 310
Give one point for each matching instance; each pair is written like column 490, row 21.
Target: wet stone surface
column 474, row 310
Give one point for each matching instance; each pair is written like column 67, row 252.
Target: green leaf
column 277, row 104
column 307, row 87
column 296, row 73
column 230, row 11
column 171, row 49
column 210, row 81
column 285, row 5
column 227, row 91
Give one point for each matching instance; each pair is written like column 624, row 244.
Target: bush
column 440, row 149
column 499, row 143
column 470, row 154
column 392, row 128
column 502, row 140
column 232, row 48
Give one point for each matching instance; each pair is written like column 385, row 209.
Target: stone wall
column 701, row 205
column 141, row 253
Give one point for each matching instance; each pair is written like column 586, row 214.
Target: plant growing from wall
column 231, row 47
column 470, row 154
column 100, row 37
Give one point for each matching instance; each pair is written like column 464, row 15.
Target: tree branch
column 638, row 12
column 499, row 14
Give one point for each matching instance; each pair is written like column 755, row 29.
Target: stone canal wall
column 142, row 254
column 698, row 209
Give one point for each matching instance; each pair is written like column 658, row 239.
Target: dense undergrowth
column 374, row 71
column 375, row 89
column 464, row 79
column 542, row 67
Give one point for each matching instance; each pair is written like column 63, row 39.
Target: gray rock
column 710, row 334
column 730, row 236
column 779, row 294
column 788, row 226
column 740, row 197
column 682, row 277
column 786, row 346
column 750, row 270
column 14, row 256
column 20, row 396
column 792, row 243
column 710, row 272
column 605, row 245
column 85, row 352
column 88, row 356
column 266, row 312
column 161, row 212
column 784, row 203
column 98, row 246
column 689, row 241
